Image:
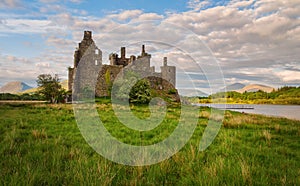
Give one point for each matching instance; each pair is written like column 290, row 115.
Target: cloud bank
column 253, row 41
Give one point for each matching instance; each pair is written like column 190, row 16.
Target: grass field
column 40, row 144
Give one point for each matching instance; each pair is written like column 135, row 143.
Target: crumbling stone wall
column 88, row 72
column 70, row 78
column 163, row 88
column 105, row 79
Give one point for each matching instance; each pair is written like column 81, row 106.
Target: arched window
column 96, row 51
column 96, row 62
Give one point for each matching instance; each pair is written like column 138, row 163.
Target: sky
column 238, row 41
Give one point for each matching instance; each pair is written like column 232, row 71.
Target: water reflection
column 288, row 111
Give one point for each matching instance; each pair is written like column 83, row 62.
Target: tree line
column 283, row 95
column 50, row 89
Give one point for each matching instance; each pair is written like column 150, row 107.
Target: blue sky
column 251, row 41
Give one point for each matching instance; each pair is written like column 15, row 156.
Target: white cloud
column 76, row 1
column 16, row 68
column 10, row 4
column 43, row 65
column 273, row 6
column 289, row 76
column 148, row 17
column 125, row 15
column 249, row 38
column 25, row 26
column 55, row 1
column 10, row 58
column 52, row 8
column 240, row 4
column 272, row 25
column 48, row 1
column 211, row 20
column 60, row 42
column 197, row 5
column 62, row 20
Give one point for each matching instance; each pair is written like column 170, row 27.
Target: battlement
column 115, row 60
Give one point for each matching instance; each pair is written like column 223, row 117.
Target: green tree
column 140, row 92
column 50, row 88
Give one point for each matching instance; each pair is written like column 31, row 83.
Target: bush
column 140, row 92
column 172, row 91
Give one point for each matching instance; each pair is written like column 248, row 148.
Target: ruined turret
column 168, row 73
column 144, row 53
column 87, row 53
column 123, row 61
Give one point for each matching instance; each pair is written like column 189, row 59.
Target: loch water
column 287, row 111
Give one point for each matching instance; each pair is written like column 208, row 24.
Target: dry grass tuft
column 267, row 136
column 277, row 128
column 73, row 153
column 241, row 119
column 246, row 172
column 215, row 116
column 204, row 114
column 37, row 134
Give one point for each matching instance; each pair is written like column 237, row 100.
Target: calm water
column 288, row 111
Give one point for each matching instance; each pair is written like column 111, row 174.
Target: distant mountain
column 30, row 91
column 255, row 88
column 63, row 83
column 14, row 87
column 233, row 87
column 241, row 88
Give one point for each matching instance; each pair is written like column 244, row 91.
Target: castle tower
column 168, row 73
column 90, row 58
column 165, row 61
column 123, row 53
column 87, row 43
column 143, row 50
column 142, row 63
column 143, row 53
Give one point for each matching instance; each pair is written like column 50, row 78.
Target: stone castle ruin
column 101, row 76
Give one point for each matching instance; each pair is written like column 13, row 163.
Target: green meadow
column 40, row 144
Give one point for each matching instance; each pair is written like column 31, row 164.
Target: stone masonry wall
column 89, row 74
column 105, row 79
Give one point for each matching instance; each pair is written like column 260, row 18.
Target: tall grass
column 41, row 145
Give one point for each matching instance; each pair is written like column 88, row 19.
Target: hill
column 64, row 84
column 241, row 88
column 283, row 95
column 14, row 87
column 255, row 88
column 233, row 87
